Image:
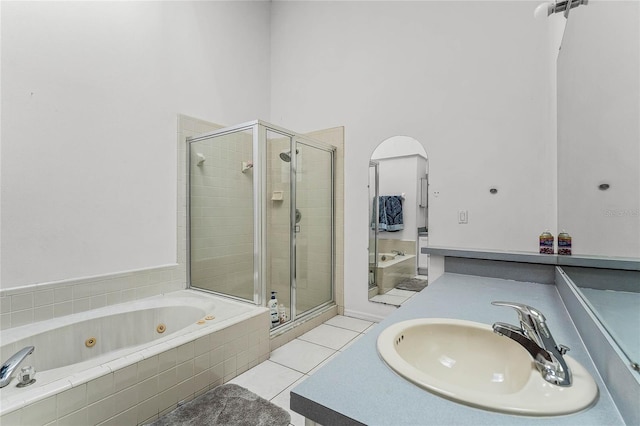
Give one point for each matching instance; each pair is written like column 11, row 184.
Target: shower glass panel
column 313, row 218
column 278, row 242
column 222, row 217
column 261, row 217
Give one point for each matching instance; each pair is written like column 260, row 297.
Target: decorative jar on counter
column 546, row 242
column 564, row 243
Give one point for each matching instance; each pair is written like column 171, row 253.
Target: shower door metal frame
column 304, row 140
column 374, row 218
column 296, row 138
column 259, row 265
column 259, row 134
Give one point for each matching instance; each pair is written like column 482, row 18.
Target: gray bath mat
column 228, row 405
column 412, row 284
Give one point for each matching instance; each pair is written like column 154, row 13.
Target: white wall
column 469, row 80
column 91, row 91
column 599, row 129
column 90, row 97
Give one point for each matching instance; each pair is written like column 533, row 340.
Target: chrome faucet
column 12, row 364
column 534, row 336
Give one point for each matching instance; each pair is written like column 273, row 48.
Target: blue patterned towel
column 390, row 213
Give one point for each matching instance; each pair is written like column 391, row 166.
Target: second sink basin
column 467, row 362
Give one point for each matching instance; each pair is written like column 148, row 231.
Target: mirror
column 398, row 220
column 599, row 155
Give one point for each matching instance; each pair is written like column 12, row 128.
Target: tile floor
column 394, row 297
column 293, row 362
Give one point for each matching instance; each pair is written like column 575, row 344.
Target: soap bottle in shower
column 273, row 309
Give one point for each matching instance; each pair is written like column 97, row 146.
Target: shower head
column 549, row 8
column 286, row 155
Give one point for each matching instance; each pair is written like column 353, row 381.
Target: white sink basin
column 467, row 362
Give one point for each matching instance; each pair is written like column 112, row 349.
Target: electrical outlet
column 463, row 216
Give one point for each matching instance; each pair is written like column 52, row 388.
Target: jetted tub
column 75, row 349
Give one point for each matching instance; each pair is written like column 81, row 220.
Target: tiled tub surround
column 360, row 371
column 41, row 302
column 134, row 384
column 387, row 245
column 389, row 273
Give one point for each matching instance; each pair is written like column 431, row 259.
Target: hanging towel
column 390, row 213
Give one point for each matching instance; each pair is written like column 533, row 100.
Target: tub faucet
column 398, row 252
column 534, row 336
column 12, row 364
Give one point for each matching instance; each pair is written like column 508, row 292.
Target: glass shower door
column 222, row 214
column 312, row 221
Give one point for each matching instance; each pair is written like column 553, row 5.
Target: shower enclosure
column 261, row 217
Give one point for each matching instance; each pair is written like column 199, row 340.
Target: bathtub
column 176, row 345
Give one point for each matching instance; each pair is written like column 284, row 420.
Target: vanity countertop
column 357, row 387
column 622, row 263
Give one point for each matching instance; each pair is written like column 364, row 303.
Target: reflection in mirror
column 398, row 220
column 599, row 157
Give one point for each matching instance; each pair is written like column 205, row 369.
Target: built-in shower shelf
column 277, row 195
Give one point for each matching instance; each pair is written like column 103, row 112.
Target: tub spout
column 12, row 364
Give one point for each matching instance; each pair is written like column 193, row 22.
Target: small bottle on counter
column 546, row 242
column 564, row 243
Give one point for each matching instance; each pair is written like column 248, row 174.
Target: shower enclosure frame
column 374, row 222
column 259, row 130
